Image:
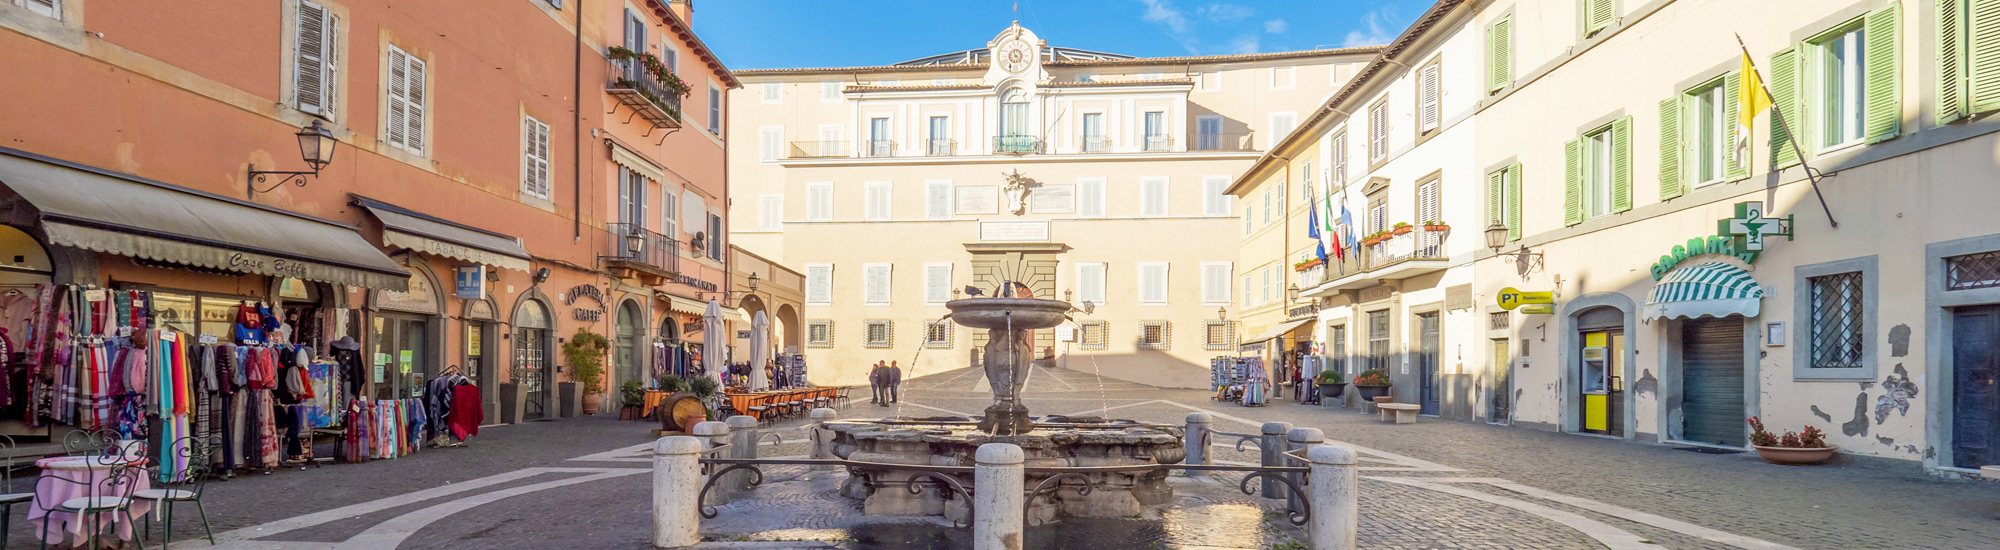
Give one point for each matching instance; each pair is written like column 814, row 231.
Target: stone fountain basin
column 1024, row 313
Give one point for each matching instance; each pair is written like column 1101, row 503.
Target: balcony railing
column 1224, row 142
column 879, row 148
column 817, row 149
column 1095, row 144
column 1017, row 144
column 635, row 247
column 940, row 147
column 1417, row 244
column 1159, row 143
column 638, row 89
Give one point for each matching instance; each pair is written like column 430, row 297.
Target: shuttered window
column 1883, row 116
column 875, row 284
column 819, row 201
column 937, row 200
column 770, row 212
column 1214, row 202
column 1597, row 15
column 1499, row 54
column 317, row 45
column 1378, row 132
column 1090, row 197
column 1153, row 196
column 1090, row 282
column 716, row 234
column 937, row 283
column 51, row 8
column 1430, row 111
column 1968, row 61
column 819, row 285
column 714, row 110
column 1503, row 200
column 1215, row 283
column 1784, row 87
column 1598, row 173
column 878, row 200
column 669, row 212
column 1153, row 283
column 770, row 143
column 1338, row 149
column 406, row 91
column 1838, row 106
column 773, row 92
column 534, row 158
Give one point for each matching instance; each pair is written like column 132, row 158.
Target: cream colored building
column 1087, row 176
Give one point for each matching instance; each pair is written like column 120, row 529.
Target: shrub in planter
column 1372, row 383
column 585, row 354
column 1330, row 384
column 631, row 400
column 1399, row 228
column 1794, row 448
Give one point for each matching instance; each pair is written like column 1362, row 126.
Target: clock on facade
column 1014, row 55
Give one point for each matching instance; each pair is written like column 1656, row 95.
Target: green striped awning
column 1712, row 289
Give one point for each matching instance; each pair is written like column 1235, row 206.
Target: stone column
column 1299, row 439
column 1197, row 439
column 1273, row 447
column 998, row 482
column 1335, row 499
column 743, row 434
column 676, row 507
column 713, row 434
column 822, row 438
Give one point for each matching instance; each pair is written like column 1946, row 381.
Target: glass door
column 1427, row 361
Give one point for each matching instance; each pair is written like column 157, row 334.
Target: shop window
column 1096, row 335
column 1336, row 348
column 880, row 333
column 1156, row 335
column 938, row 335
column 1218, row 335
column 819, row 334
column 197, row 314
column 1837, row 339
column 1378, row 340
column 1972, row 271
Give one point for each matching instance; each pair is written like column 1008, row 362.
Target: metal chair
column 842, row 396
column 88, row 442
column 198, row 453
column 8, row 498
column 109, row 493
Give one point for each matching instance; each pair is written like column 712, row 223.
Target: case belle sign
column 582, row 314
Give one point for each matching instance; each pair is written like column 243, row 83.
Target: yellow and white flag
column 1752, row 100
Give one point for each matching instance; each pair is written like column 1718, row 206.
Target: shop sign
column 1712, row 244
column 270, row 266
column 1748, row 229
column 742, row 335
column 579, row 292
column 1538, row 310
column 1307, row 310
column 692, row 327
column 689, row 280
column 1510, row 298
column 471, row 282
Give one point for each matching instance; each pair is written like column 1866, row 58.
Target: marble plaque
column 1053, row 199
column 978, row 199
column 1022, row 231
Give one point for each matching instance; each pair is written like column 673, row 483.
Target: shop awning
column 736, row 317
column 94, row 209
column 685, row 306
column 1276, row 331
column 1712, row 289
column 411, row 230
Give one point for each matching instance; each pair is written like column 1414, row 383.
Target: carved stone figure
column 1017, row 191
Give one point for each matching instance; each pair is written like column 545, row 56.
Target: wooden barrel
column 679, row 412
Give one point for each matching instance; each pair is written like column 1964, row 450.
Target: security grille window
column 406, row 91
column 1218, row 335
column 317, row 46
column 534, row 158
column 1156, row 335
column 881, row 333
column 1972, row 271
column 1096, row 335
column 938, row 335
column 1837, row 341
column 1378, row 340
column 819, row 334
column 1499, row 321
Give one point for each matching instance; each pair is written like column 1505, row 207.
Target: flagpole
column 1778, row 113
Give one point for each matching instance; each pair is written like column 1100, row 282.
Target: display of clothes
column 448, row 400
column 395, row 428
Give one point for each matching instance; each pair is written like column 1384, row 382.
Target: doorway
column 629, row 355
column 1975, row 369
column 1427, row 362
column 1600, row 398
column 1499, row 393
column 476, row 366
column 531, row 358
column 402, row 355
column 1712, row 381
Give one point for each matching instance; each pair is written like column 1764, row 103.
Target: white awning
column 685, row 306
column 410, row 230
column 1277, row 331
column 1712, row 289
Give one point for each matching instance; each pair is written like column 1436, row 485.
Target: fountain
column 1051, row 441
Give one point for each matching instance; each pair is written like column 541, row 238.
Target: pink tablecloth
column 82, row 470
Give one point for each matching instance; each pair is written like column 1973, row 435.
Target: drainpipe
column 576, row 128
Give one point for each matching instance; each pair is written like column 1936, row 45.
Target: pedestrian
column 875, row 383
column 895, row 382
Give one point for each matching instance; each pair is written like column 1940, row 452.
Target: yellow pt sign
column 1511, row 298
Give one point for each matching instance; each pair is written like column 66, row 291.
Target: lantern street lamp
column 1496, row 238
column 316, row 146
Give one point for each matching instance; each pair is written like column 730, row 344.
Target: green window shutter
column 1950, row 60
column 1733, row 167
column 1596, row 15
column 1885, row 99
column 1514, row 202
column 1621, row 165
column 1573, row 182
column 1983, row 55
column 1496, row 189
column 1784, row 86
column 1670, row 147
column 1499, row 54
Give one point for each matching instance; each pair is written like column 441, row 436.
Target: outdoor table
column 83, row 471
column 653, row 399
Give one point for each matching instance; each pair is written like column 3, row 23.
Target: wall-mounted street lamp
column 1222, row 313
column 752, row 283
column 635, row 242
column 1291, row 293
column 316, row 145
column 1496, row 237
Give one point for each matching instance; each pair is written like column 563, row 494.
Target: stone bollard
column 1273, row 446
column 998, row 513
column 822, row 438
column 743, row 434
column 1197, row 439
column 713, row 434
column 1336, row 515
column 1299, row 439
column 676, row 508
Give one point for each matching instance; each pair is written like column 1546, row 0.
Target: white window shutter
column 1214, row 201
column 414, row 108
column 625, row 205
column 1427, row 91
column 1091, row 202
column 937, row 283
column 309, row 72
column 542, row 166
column 668, row 210
column 1090, row 281
column 770, row 213
column 528, row 169
column 397, row 130
column 877, row 285
column 1215, row 283
column 1153, row 196
column 1152, row 284
column 330, row 61
column 819, row 284
column 937, row 200
column 51, row 8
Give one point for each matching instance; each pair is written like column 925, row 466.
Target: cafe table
column 83, row 472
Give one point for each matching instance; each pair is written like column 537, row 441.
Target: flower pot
column 1371, row 392
column 1331, row 391
column 1439, row 227
column 1399, row 230
column 629, row 413
column 1795, row 456
column 591, row 402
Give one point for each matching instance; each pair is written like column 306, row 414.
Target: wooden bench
column 1404, row 413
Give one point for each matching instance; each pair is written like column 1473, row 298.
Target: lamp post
column 1496, row 238
column 316, row 146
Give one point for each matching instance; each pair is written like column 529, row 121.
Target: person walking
column 895, row 382
column 875, row 376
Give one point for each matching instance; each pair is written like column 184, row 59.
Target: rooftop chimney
column 684, row 9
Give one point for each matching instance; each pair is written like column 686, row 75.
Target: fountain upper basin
column 1001, row 313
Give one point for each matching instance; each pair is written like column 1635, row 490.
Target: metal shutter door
column 1712, row 381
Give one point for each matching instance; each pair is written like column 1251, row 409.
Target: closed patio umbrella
column 711, row 341
column 758, row 324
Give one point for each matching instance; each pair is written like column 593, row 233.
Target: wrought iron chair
column 842, row 397
column 199, row 453
column 105, row 491
column 89, row 442
column 8, row 498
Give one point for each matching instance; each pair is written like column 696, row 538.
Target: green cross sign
column 1750, row 226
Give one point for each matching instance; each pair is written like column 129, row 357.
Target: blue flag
column 1312, row 230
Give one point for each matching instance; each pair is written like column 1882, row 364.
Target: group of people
column 884, row 380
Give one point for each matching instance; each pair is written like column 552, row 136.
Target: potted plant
column 1330, row 385
column 1399, row 229
column 585, row 354
column 1375, row 238
column 1436, row 226
column 706, row 389
column 632, row 400
column 1371, row 383
column 1792, row 448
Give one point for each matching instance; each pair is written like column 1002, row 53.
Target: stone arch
column 1573, row 313
column 791, row 334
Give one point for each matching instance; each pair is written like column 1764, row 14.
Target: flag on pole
column 1752, row 100
column 1347, row 240
column 1313, row 230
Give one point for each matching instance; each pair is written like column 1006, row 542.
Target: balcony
column 1392, row 257
column 940, row 147
column 1094, row 144
column 878, row 148
column 1017, row 144
column 1224, row 142
column 636, row 87
column 817, row 149
column 635, row 252
column 1159, row 143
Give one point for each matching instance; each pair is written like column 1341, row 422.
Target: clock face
column 1015, row 55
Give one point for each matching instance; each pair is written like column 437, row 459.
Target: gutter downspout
column 576, row 129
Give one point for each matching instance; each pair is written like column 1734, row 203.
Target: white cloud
column 1244, row 44
column 1375, row 29
column 1225, row 12
column 1276, row 26
column 1163, row 13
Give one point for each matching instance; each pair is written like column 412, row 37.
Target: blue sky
column 881, row 32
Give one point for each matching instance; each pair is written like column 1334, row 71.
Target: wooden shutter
column 1670, row 147
column 1499, row 54
column 625, row 205
column 309, row 70
column 937, row 283
column 51, row 8
column 528, row 170
column 715, row 234
column 1091, row 282
column 1514, row 202
column 819, row 284
column 413, row 110
column 1428, row 108
column 1496, row 197
column 542, row 158
column 1884, row 115
column 1734, row 167
column 1983, row 55
column 1950, row 61
column 1153, row 283
column 1784, row 86
column 1597, row 14
column 1573, row 182
column 1621, row 165
column 398, row 129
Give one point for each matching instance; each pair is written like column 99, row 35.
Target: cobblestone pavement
column 583, row 483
